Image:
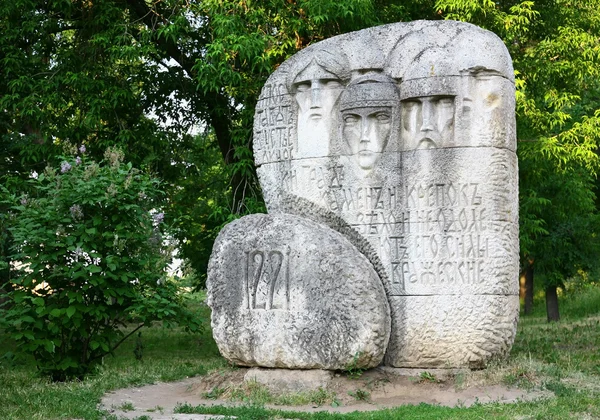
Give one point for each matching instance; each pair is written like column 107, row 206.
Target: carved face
column 427, row 122
column 316, row 90
column 316, row 97
column 366, row 132
column 489, row 108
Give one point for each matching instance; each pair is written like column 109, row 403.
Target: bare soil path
column 386, row 388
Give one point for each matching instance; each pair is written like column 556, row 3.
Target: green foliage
column 89, row 258
column 428, row 376
column 175, row 85
column 556, row 56
column 353, row 370
column 360, row 394
column 214, row 393
column 26, row 395
column 321, row 396
column 127, row 406
column 5, row 200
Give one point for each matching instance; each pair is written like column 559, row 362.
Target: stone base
column 290, row 380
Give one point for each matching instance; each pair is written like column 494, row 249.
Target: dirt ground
column 382, row 387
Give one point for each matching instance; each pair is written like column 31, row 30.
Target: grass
column 169, row 354
column 562, row 357
column 360, row 394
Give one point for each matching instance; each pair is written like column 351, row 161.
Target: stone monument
column 401, row 138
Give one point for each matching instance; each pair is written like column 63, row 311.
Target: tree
column 148, row 77
column 175, row 84
column 556, row 54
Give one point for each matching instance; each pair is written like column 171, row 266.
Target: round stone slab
column 287, row 292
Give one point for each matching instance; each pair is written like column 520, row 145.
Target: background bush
column 89, row 259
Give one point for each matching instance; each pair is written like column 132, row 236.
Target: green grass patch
column 168, row 354
column 562, row 358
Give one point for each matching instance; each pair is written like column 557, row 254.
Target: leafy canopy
column 556, row 53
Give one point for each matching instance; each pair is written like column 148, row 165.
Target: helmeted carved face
column 317, row 88
column 366, row 132
column 367, row 109
column 428, row 122
column 489, row 106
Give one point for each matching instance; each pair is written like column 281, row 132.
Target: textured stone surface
column 467, row 329
column 288, row 292
column 281, row 381
column 402, row 137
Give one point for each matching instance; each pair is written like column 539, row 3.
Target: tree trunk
column 219, row 106
column 522, row 285
column 552, row 304
column 528, row 288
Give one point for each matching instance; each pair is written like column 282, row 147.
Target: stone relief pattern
column 504, row 180
column 278, row 281
column 407, row 137
column 437, row 223
column 304, row 208
column 505, row 184
column 274, row 125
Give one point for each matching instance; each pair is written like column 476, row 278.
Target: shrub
column 89, row 247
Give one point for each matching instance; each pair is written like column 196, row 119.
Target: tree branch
column 217, row 104
column 118, row 343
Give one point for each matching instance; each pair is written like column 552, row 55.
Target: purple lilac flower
column 82, row 149
column 76, row 212
column 158, row 218
column 24, row 201
column 65, row 167
column 78, row 160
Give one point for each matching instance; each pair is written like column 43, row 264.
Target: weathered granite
column 288, row 292
column 405, row 134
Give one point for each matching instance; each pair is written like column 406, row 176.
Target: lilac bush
column 90, row 264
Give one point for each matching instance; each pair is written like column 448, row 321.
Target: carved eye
column 410, row 105
column 383, row 117
column 303, row 87
column 332, row 84
column 350, row 119
column 445, row 102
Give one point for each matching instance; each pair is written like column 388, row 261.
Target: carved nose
column 427, row 115
column 315, row 98
column 366, row 132
column 427, row 126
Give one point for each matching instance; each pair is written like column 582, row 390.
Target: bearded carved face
column 428, row 122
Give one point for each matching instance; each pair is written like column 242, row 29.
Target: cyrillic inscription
column 274, row 128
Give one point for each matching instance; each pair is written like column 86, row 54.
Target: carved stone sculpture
column 402, row 138
column 289, row 292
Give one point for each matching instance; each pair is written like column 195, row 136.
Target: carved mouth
column 315, row 116
column 426, row 143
